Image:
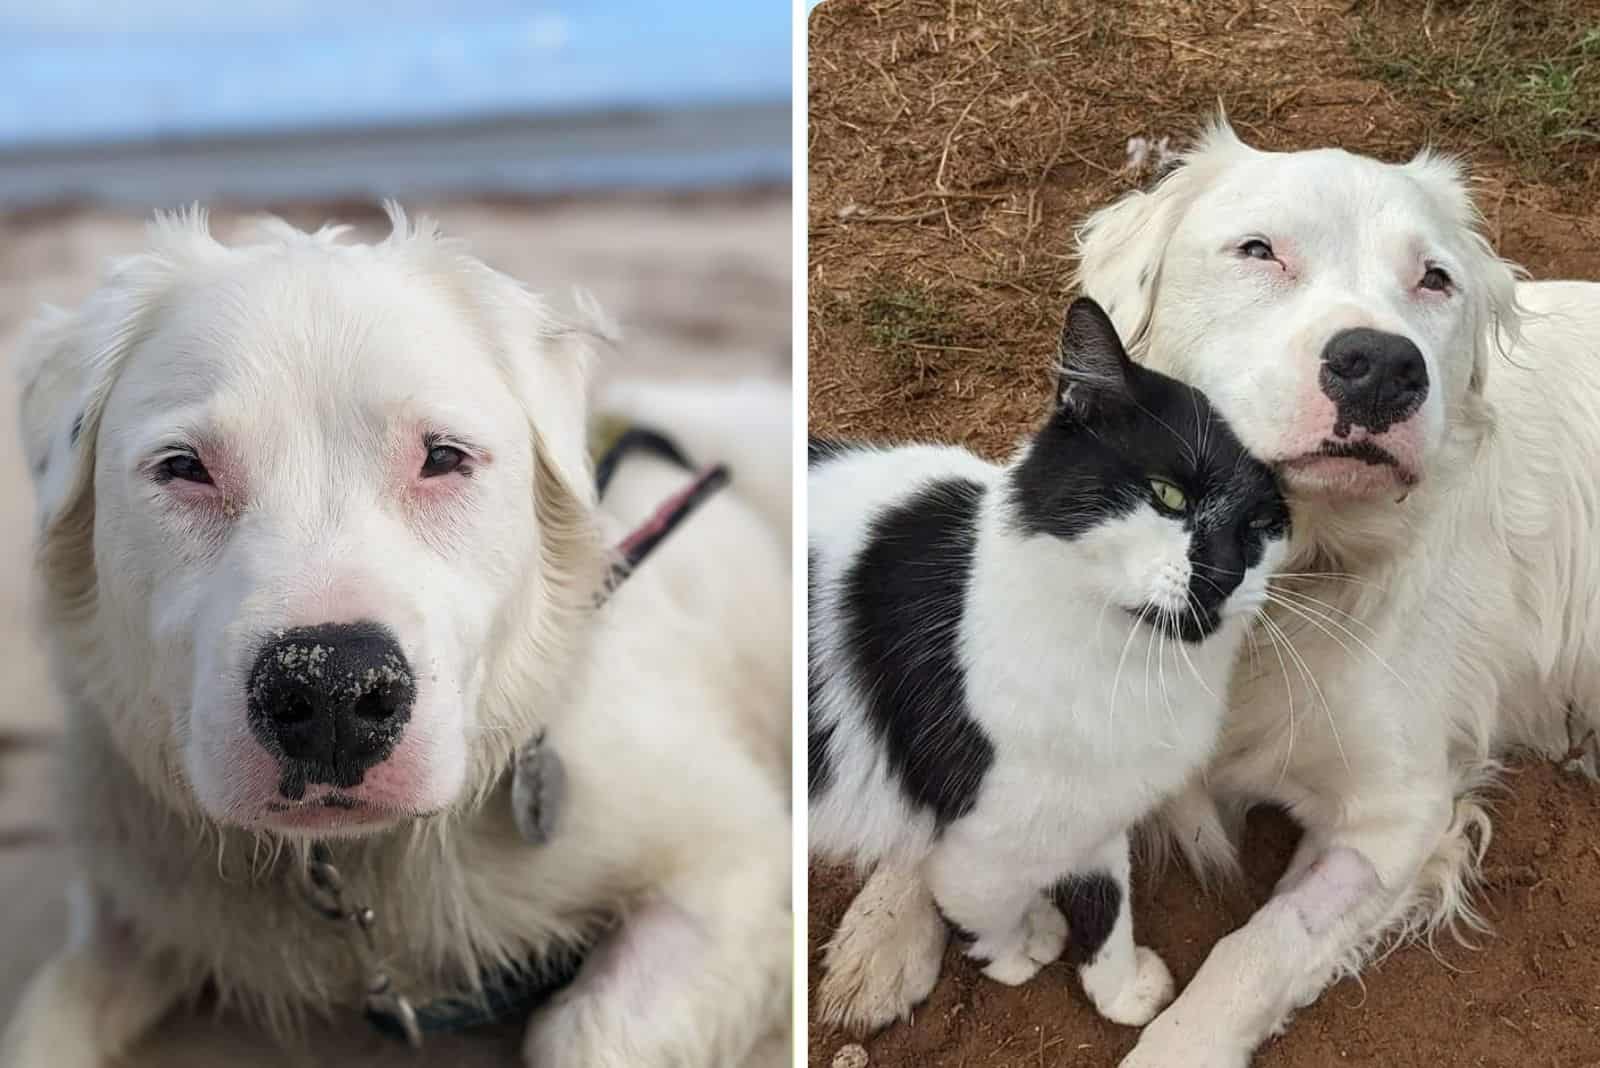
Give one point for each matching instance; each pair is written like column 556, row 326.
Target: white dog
column 320, row 549
column 1435, row 424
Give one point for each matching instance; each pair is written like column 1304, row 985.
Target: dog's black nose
column 1376, row 379
column 331, row 701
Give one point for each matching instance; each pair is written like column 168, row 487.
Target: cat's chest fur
column 1088, row 710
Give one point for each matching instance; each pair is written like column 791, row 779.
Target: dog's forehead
column 1322, row 190
column 310, row 334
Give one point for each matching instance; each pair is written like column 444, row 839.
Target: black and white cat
column 1010, row 666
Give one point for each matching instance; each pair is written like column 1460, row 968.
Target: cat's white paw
column 884, row 958
column 1043, row 938
column 1138, row 1002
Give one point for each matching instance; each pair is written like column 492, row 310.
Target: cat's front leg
column 1128, row 983
column 1011, row 928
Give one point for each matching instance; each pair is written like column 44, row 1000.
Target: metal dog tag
column 538, row 788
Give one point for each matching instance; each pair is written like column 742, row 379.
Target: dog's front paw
column 662, row 993
column 1041, row 941
column 1169, row 1043
column 884, row 958
column 1583, row 745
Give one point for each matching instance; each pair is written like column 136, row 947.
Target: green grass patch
column 900, row 315
column 1516, row 74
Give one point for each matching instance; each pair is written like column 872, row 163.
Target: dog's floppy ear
column 1120, row 248
column 67, row 364
column 1490, row 285
column 557, row 380
column 49, row 402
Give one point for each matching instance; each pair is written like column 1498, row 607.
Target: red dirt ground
column 953, row 146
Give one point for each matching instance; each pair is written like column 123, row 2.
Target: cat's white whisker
column 1325, row 606
column 1195, row 612
column 1311, row 679
column 1288, row 691
column 1161, row 674
column 1116, row 677
column 1336, row 576
column 1324, row 624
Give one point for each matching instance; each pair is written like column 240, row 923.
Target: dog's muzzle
column 330, row 702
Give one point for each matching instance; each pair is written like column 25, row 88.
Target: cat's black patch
column 819, row 450
column 819, row 736
column 1091, row 904
column 819, row 757
column 1095, row 457
column 902, row 604
column 962, row 935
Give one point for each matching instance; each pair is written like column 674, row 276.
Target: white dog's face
column 313, row 503
column 1333, row 307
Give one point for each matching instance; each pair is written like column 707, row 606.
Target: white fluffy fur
column 307, row 363
column 1453, row 620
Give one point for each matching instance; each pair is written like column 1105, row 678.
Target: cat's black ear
column 1093, row 366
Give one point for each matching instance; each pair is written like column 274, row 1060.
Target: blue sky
column 74, row 71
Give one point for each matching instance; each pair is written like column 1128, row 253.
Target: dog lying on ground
column 320, row 548
column 1433, row 421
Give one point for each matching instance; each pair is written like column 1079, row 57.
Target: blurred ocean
column 495, row 95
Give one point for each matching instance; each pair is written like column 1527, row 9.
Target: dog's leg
column 884, row 957
column 1583, row 741
column 699, row 975
column 1314, row 927
column 91, row 1002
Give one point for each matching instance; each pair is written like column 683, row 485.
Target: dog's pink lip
column 1319, row 474
column 331, row 812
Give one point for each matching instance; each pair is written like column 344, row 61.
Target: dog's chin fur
column 688, row 663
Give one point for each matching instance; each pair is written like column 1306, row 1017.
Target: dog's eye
column 1257, row 249
column 1263, row 520
column 1436, row 279
column 441, row 460
column 183, row 466
column 1169, row 496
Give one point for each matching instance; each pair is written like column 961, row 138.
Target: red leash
column 633, row 549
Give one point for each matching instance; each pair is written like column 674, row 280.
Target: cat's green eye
column 1169, row 496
